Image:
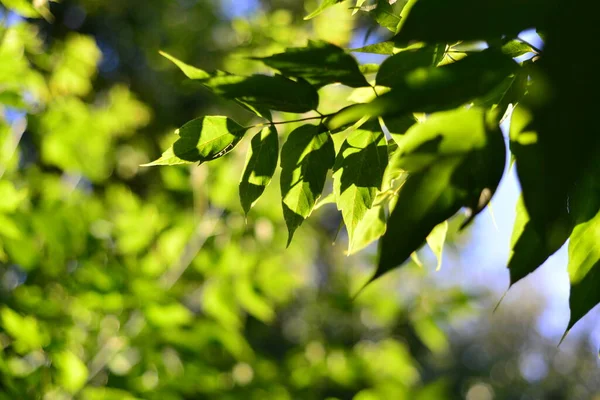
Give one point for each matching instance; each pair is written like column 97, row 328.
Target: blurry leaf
column 394, row 68
column 72, row 372
column 452, row 158
column 319, row 63
column 428, row 20
column 8, row 228
column 398, row 125
column 255, row 304
column 436, row 239
column 25, row 330
column 358, row 174
column 261, row 163
column 367, row 69
column 168, row 316
column 329, row 199
column 434, row 89
column 24, row 8
column 322, row 7
column 189, row 70
column 306, row 157
column 431, row 334
column 202, row 139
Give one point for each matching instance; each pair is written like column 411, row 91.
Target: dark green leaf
column 261, row 162
column 358, row 174
column 442, row 21
column 202, row 139
column 272, row 92
column 393, row 70
column 325, row 4
column 306, row 157
column 257, row 93
column 397, row 126
column 434, row 89
column 320, row 63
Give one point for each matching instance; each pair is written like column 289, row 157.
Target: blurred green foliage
column 118, row 282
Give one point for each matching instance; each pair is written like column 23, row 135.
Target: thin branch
column 322, row 116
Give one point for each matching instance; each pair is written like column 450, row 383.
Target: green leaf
column 528, row 251
column 306, row 157
column 320, row 63
column 202, row 139
column 257, row 93
column 370, row 228
column 442, row 21
column 189, row 70
column 261, row 163
column 358, row 174
column 435, row 88
column 262, row 91
column 436, row 239
column 24, row 8
column 516, row 48
column 385, row 48
column 325, row 4
column 584, row 245
column 393, row 70
column 72, row 372
column 388, row 15
column 453, row 159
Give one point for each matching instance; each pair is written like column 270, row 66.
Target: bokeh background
column 122, row 282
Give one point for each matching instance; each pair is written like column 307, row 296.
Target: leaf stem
column 322, row 116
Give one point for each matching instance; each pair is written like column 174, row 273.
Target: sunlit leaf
column 189, row 70
column 452, row 158
column 584, row 248
column 358, row 174
column 72, row 372
column 261, row 162
column 203, row 139
column 320, row 63
column 322, row 7
column 306, row 157
column 436, row 239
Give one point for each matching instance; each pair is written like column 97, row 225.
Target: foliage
column 124, row 282
column 453, row 157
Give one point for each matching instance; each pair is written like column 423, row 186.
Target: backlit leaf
column 203, row 139
column 358, row 174
column 261, row 162
column 436, row 239
column 322, row 7
column 306, row 157
column 319, row 63
column 393, row 70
